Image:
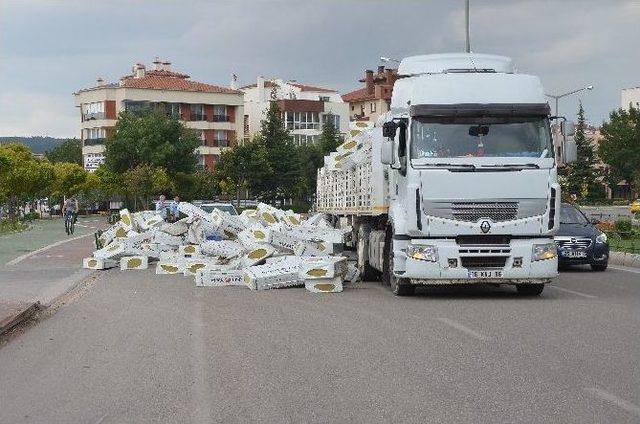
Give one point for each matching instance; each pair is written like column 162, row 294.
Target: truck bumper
column 518, row 266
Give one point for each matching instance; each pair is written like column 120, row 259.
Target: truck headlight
column 544, row 251
column 602, row 238
column 423, row 252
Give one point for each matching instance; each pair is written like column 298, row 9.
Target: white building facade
column 630, row 96
column 304, row 108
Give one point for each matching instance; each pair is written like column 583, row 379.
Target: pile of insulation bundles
column 265, row 248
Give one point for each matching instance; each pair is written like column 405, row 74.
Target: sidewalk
column 40, row 265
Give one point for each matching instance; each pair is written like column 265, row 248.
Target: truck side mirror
column 389, row 129
column 567, row 128
column 386, row 151
column 570, row 151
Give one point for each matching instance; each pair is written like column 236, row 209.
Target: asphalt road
column 135, row 347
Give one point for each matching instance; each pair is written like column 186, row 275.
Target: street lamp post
column 559, row 96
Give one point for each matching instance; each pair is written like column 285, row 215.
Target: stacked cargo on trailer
column 457, row 184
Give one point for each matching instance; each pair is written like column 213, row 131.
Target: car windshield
column 225, row 208
column 453, row 137
column 571, row 215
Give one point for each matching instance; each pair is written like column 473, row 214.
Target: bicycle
column 69, row 222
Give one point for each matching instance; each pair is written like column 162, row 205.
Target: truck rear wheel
column 530, row 289
column 367, row 272
column 399, row 286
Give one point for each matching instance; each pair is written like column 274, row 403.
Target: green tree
column 152, row 138
column 69, row 151
column 281, row 155
column 69, row 179
column 243, row 167
column 22, row 177
column 620, row 147
column 329, row 139
column 199, row 185
column 581, row 177
column 143, row 181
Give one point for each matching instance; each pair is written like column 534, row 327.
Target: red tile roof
column 358, row 95
column 305, row 87
column 166, row 80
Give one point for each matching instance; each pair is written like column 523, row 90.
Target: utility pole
column 466, row 21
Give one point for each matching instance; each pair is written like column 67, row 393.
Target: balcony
column 93, row 116
column 94, row 141
column 221, row 143
column 197, row 117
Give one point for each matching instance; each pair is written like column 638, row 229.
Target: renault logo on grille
column 573, row 240
column 485, row 226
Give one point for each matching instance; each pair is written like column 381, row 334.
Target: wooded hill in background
column 38, row 145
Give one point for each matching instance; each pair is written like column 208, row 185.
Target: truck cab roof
column 455, row 62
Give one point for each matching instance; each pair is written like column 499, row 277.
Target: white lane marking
column 588, row 296
column 42, row 249
column 626, row 269
column 464, row 329
column 620, row 403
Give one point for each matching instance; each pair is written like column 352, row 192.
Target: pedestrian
column 173, row 209
column 162, row 206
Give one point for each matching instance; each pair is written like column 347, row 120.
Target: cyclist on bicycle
column 70, row 209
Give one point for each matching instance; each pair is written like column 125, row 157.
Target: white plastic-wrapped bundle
column 222, row 248
column 323, row 267
column 228, row 225
column 257, row 254
column 272, row 276
column 217, row 278
column 256, row 234
column 126, row 219
column 134, row 262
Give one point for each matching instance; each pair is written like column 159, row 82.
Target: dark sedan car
column 579, row 241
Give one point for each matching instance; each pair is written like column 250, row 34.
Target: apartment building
column 630, row 96
column 215, row 112
column 374, row 99
column 304, row 108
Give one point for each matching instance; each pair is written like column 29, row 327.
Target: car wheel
column 399, row 286
column 599, row 267
column 530, row 289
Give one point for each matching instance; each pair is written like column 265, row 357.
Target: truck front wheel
column 529, row 289
column 399, row 286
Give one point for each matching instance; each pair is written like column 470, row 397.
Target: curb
column 15, row 313
column 630, row 260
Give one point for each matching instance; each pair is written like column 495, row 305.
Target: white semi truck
column 457, row 184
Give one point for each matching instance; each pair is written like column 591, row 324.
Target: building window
column 302, row 139
column 362, row 109
column 353, row 107
column 202, row 137
column 324, row 98
column 331, row 119
column 197, row 113
column 93, row 110
column 302, row 120
column 220, row 136
column 93, row 136
column 220, row 113
column 246, row 124
column 373, row 107
column 136, row 107
column 173, row 110
column 201, row 161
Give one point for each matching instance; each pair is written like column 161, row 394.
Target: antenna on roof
column 466, row 23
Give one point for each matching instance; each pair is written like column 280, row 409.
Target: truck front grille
column 483, row 262
column 475, row 211
column 573, row 242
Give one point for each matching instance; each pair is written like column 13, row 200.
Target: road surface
column 136, row 347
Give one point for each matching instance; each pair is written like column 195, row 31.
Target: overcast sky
column 49, row 49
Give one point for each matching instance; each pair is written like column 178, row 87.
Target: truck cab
column 472, row 181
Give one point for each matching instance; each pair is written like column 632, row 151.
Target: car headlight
column 602, row 238
column 544, row 251
column 423, row 252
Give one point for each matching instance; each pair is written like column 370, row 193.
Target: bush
column 31, row 216
column 623, row 227
column 12, row 226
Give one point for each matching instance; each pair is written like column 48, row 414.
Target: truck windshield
column 454, row 137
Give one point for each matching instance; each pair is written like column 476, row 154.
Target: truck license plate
column 574, row 254
column 485, row 274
